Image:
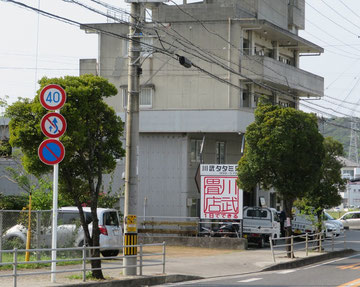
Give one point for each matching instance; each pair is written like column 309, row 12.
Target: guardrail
column 84, row 259
column 311, row 242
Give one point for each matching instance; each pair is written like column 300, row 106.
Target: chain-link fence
column 14, row 229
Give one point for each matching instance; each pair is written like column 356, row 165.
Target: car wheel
column 261, row 243
column 110, row 253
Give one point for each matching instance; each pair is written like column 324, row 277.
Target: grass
column 338, row 214
column 8, row 258
column 88, row 276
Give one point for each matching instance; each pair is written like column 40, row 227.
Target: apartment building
column 241, row 49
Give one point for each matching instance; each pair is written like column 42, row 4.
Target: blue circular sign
column 51, row 151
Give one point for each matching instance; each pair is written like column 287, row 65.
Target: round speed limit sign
column 52, row 97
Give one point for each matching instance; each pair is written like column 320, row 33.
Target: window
column 110, row 218
column 146, row 50
column 195, row 147
column 256, row 213
column 146, row 95
column 220, row 152
column 246, row 96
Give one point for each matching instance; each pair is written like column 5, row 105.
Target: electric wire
column 337, row 24
column 346, row 19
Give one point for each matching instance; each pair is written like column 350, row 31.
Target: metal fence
column 81, row 261
column 305, row 242
column 13, row 229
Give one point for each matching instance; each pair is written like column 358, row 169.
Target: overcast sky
column 34, row 46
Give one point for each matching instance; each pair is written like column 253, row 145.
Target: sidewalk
column 189, row 261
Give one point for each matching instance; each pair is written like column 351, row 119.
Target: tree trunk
column 319, row 215
column 288, row 231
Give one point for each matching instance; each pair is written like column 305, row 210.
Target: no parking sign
column 51, row 151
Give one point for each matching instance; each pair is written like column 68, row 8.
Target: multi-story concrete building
column 351, row 172
column 248, row 48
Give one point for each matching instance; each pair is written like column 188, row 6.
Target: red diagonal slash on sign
column 58, row 121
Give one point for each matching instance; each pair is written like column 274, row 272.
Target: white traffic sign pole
column 54, row 222
column 53, row 97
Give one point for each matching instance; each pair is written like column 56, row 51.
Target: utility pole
column 353, row 147
column 132, row 141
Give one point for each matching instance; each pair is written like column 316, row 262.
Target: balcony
column 282, row 76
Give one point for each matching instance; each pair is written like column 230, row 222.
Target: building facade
column 244, row 48
column 351, row 172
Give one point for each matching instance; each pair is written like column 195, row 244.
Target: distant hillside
column 339, row 129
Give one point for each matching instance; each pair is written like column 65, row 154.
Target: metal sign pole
column 51, row 151
column 54, row 222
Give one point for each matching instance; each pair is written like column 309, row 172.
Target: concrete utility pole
column 132, row 140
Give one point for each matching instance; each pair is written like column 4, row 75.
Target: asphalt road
column 341, row 272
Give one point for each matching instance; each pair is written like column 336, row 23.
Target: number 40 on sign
column 52, row 97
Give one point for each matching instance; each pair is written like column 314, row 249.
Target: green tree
column 326, row 192
column 92, row 143
column 284, row 150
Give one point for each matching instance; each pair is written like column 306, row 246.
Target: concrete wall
column 162, row 175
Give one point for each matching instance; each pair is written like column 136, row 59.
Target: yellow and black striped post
column 129, row 240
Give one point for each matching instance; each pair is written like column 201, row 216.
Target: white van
column 70, row 231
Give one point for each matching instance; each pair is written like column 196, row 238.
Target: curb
column 136, row 281
column 309, row 260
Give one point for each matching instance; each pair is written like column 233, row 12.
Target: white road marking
column 250, row 280
column 286, row 271
column 328, row 262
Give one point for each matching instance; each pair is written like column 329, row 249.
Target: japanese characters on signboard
column 221, row 197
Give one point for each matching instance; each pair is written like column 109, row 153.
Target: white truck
column 260, row 223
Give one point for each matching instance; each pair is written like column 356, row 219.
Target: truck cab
column 260, row 224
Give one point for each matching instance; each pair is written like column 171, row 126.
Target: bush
column 13, row 202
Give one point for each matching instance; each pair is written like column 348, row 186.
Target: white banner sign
column 221, row 198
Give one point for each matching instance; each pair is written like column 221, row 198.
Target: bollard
column 292, row 246
column 272, row 248
column 307, row 244
column 344, row 239
column 332, row 242
column 164, row 250
column 141, row 259
column 320, row 243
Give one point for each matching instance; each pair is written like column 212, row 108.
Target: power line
column 351, row 10
column 344, row 28
column 346, row 19
column 332, row 36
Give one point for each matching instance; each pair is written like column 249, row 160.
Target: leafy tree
column 326, row 192
column 13, row 202
column 92, row 143
column 284, row 150
column 5, row 148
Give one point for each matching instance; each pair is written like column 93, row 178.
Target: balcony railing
column 281, row 75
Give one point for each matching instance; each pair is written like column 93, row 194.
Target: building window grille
column 220, row 152
column 195, row 146
column 146, row 96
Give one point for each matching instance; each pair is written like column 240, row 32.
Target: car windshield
column 328, row 216
column 111, row 218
